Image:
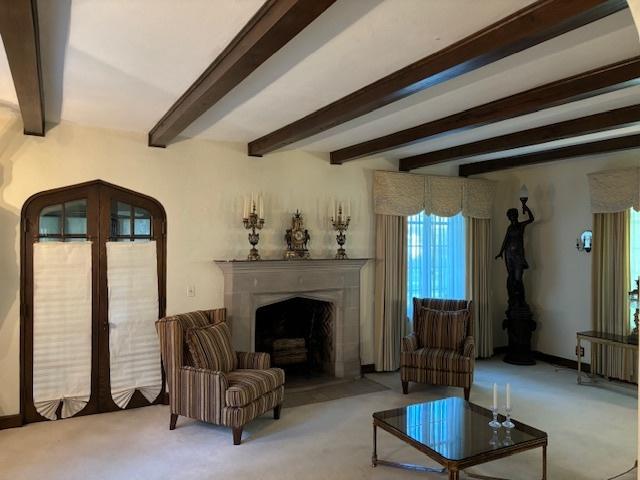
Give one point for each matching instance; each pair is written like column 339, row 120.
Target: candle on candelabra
column 349, row 209
column 508, row 396
column 261, row 203
column 244, row 207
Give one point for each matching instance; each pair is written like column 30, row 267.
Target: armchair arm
column 200, row 394
column 409, row 343
column 254, row 360
column 469, row 348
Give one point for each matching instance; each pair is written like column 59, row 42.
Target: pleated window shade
column 134, row 349
column 61, row 327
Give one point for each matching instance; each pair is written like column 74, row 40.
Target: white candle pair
column 495, row 396
column 339, row 211
column 254, row 205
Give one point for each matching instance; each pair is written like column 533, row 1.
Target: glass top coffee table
column 456, row 434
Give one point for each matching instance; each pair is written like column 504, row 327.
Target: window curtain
column 478, row 257
column 390, row 290
column 435, row 258
column 610, row 287
column 62, row 304
column 134, row 347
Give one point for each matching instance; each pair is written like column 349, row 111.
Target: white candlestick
column 495, row 396
column 244, row 207
column 508, row 395
column 334, row 209
column 349, row 209
column 261, row 207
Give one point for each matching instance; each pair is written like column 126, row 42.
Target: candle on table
column 508, row 396
column 495, row 396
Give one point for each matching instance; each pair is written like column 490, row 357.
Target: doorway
column 97, row 216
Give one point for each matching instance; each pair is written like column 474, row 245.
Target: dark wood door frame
column 95, row 192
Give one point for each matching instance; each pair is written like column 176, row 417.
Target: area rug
column 297, row 397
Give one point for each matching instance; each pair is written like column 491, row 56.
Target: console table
column 601, row 338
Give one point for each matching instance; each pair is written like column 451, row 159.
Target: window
column 635, row 253
column 63, row 222
column 435, row 258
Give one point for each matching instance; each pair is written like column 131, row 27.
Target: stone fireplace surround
column 249, row 285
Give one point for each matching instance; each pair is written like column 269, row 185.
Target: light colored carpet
column 592, row 435
column 330, row 391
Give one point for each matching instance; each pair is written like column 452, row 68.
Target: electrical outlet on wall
column 581, row 351
column 191, row 291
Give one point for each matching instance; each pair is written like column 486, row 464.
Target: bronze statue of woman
column 519, row 322
column 513, row 251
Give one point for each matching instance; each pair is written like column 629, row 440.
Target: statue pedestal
column 520, row 325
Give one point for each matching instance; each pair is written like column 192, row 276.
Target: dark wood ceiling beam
column 19, row 31
column 272, row 27
column 585, row 85
column 572, row 151
column 618, row 118
column 534, row 24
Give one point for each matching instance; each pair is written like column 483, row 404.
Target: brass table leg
column 454, row 475
column 579, row 363
column 374, row 456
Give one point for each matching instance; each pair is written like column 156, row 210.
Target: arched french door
column 87, row 223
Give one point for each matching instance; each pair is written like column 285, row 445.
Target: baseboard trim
column 545, row 357
column 368, row 368
column 10, row 421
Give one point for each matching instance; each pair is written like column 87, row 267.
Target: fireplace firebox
column 298, row 333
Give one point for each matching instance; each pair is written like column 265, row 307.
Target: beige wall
column 201, row 185
column 558, row 283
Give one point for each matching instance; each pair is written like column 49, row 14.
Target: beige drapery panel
column 390, row 290
column 404, row 194
column 610, row 284
column 478, row 251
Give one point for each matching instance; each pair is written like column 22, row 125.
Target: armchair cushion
column 257, row 360
column 442, row 329
column 246, row 386
column 437, row 359
column 210, row 347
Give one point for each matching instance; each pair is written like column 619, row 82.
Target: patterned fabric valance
column 615, row 190
column 404, row 194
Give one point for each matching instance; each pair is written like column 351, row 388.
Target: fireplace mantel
column 249, row 285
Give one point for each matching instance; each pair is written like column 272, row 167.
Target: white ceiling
column 120, row 64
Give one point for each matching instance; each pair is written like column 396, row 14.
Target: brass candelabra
column 340, row 224
column 253, row 220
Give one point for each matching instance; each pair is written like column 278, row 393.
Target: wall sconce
column 583, row 244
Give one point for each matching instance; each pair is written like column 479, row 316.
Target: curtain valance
column 615, row 190
column 404, row 194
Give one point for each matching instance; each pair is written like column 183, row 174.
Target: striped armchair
column 231, row 399
column 443, row 357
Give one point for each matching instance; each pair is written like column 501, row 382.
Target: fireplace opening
column 298, row 334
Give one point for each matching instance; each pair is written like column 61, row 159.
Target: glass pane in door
column 142, row 222
column 75, row 217
column 121, row 219
column 51, row 220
